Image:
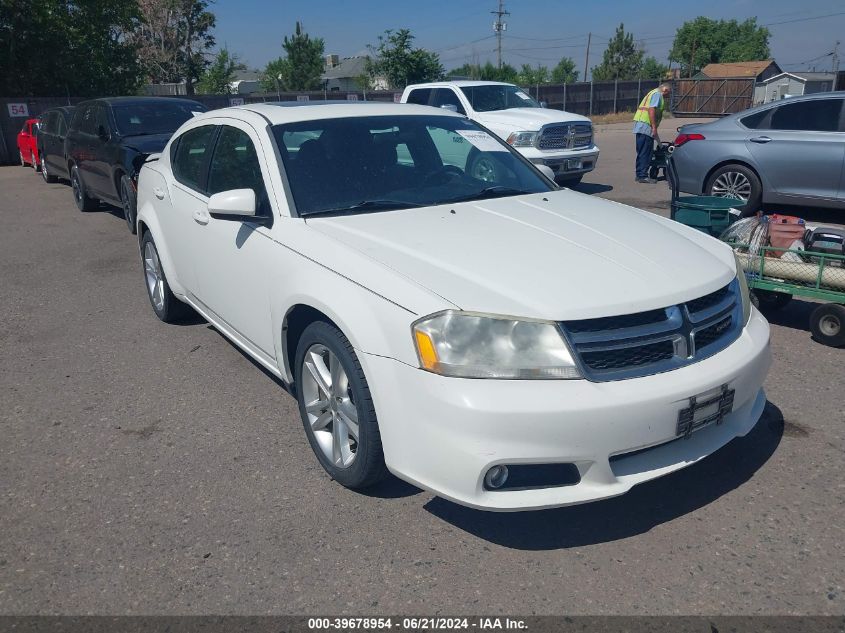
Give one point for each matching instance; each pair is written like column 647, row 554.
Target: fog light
column 496, row 477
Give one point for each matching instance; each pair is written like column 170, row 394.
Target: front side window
column 445, row 96
column 85, row 118
column 383, row 163
column 235, row 164
column 161, row 117
column 487, row 98
column 189, row 154
column 817, row 115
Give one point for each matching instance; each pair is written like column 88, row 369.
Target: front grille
column 654, row 341
column 566, row 136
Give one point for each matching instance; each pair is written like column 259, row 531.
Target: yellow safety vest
column 642, row 110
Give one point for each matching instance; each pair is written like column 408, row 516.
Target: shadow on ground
column 795, row 315
column 592, row 188
column 636, row 512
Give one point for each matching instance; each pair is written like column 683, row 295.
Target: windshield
column 365, row 164
column 161, row 117
column 496, row 97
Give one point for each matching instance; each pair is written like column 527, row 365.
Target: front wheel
column 83, row 201
column 165, row 304
column 128, row 200
column 739, row 182
column 336, row 407
column 23, row 160
column 33, row 162
column 827, row 324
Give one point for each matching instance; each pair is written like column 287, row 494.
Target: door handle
column 159, row 193
column 201, row 217
column 760, row 139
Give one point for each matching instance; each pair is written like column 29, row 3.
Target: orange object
column 784, row 230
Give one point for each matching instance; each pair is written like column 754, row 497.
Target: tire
column 572, row 181
column 736, row 181
column 34, row 162
column 654, row 173
column 827, row 324
column 129, row 202
column 327, row 404
column 769, row 300
column 83, row 202
column 48, row 178
column 482, row 167
column 23, row 160
column 164, row 303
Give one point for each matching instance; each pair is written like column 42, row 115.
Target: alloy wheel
column 77, row 186
column 154, row 276
column 33, row 162
column 127, row 204
column 330, row 406
column 23, row 162
column 732, row 184
column 44, row 168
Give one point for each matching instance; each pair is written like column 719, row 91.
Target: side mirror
column 451, row 107
column 546, row 171
column 235, row 204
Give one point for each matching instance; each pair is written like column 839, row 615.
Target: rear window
column 161, row 117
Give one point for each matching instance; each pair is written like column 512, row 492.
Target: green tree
column 218, row 77
column 304, row 64
column 489, row 72
column 704, row 41
column 621, row 59
column 564, row 72
column 653, row 69
column 64, row 47
column 399, row 63
column 532, row 76
column 471, row 71
column 273, row 75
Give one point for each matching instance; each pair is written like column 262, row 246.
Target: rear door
column 800, row 149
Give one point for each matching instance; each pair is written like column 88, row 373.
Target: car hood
column 527, row 119
column 147, row 144
column 558, row 256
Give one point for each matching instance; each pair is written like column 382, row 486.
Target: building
column 345, row 75
column 246, row 82
column 792, row 84
column 759, row 71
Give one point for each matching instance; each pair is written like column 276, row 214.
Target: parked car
column 501, row 342
column 108, row 141
column 27, row 144
column 785, row 152
column 51, row 143
column 560, row 140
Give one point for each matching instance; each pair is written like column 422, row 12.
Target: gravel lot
column 147, row 468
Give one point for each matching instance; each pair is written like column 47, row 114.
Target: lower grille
column 629, row 357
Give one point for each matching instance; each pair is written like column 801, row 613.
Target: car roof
column 796, row 99
column 139, row 100
column 459, row 84
column 291, row 112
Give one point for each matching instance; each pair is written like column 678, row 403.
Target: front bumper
column 564, row 162
column 443, row 434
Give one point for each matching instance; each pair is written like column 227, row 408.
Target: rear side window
column 817, row 115
column 60, row 125
column 188, row 157
column 420, row 96
column 445, row 96
column 48, row 123
column 84, row 121
column 754, row 121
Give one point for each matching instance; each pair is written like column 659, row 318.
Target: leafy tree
column 399, row 63
column 218, row 77
column 471, row 71
column 273, row 75
column 704, row 41
column 531, row 76
column 621, row 59
column 304, row 64
column 65, row 47
column 489, row 72
column 653, row 69
column 564, row 72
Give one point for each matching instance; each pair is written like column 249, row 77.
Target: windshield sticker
column 522, row 95
column 482, row 140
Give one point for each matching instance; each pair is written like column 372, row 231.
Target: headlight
column 522, row 139
column 479, row 346
column 743, row 290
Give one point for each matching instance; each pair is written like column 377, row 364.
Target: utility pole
column 498, row 27
column 587, row 59
column 836, row 64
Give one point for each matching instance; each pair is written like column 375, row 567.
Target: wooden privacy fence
column 711, row 97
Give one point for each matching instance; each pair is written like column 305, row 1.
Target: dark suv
column 51, row 143
column 109, row 140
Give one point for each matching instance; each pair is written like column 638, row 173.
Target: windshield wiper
column 366, row 205
column 496, row 191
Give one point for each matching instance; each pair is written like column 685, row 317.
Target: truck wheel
column 736, row 181
column 769, row 300
column 827, row 323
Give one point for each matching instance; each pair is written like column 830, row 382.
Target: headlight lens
column 480, row 346
column 743, row 290
column 522, row 139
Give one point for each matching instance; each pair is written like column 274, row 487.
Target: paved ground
column 147, row 468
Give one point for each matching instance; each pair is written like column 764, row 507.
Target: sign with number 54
column 18, row 109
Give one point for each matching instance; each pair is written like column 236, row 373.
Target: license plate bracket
column 705, row 409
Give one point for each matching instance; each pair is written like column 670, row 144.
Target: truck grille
column 645, row 343
column 566, row 136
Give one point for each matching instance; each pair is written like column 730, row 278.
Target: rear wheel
column 128, row 200
column 739, row 182
column 827, row 323
column 23, row 160
column 33, row 162
column 44, row 174
column 83, row 202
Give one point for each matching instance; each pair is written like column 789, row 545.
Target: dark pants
column 645, row 148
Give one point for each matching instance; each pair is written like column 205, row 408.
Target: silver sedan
column 786, row 152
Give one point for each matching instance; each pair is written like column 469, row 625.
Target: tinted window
column 84, row 119
column 818, row 115
column 235, row 164
column 159, row 117
column 102, row 120
column 61, row 125
column 445, row 96
column 420, row 96
column 754, row 121
column 188, row 158
column 497, row 97
column 48, row 125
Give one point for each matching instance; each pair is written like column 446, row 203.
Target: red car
column 27, row 145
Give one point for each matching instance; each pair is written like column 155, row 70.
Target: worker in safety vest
column 646, row 121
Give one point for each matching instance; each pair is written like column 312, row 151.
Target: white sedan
column 498, row 341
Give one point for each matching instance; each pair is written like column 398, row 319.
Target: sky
column 538, row 31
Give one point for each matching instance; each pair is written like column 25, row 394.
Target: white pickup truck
column 560, row 140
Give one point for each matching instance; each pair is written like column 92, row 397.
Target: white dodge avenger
column 503, row 343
